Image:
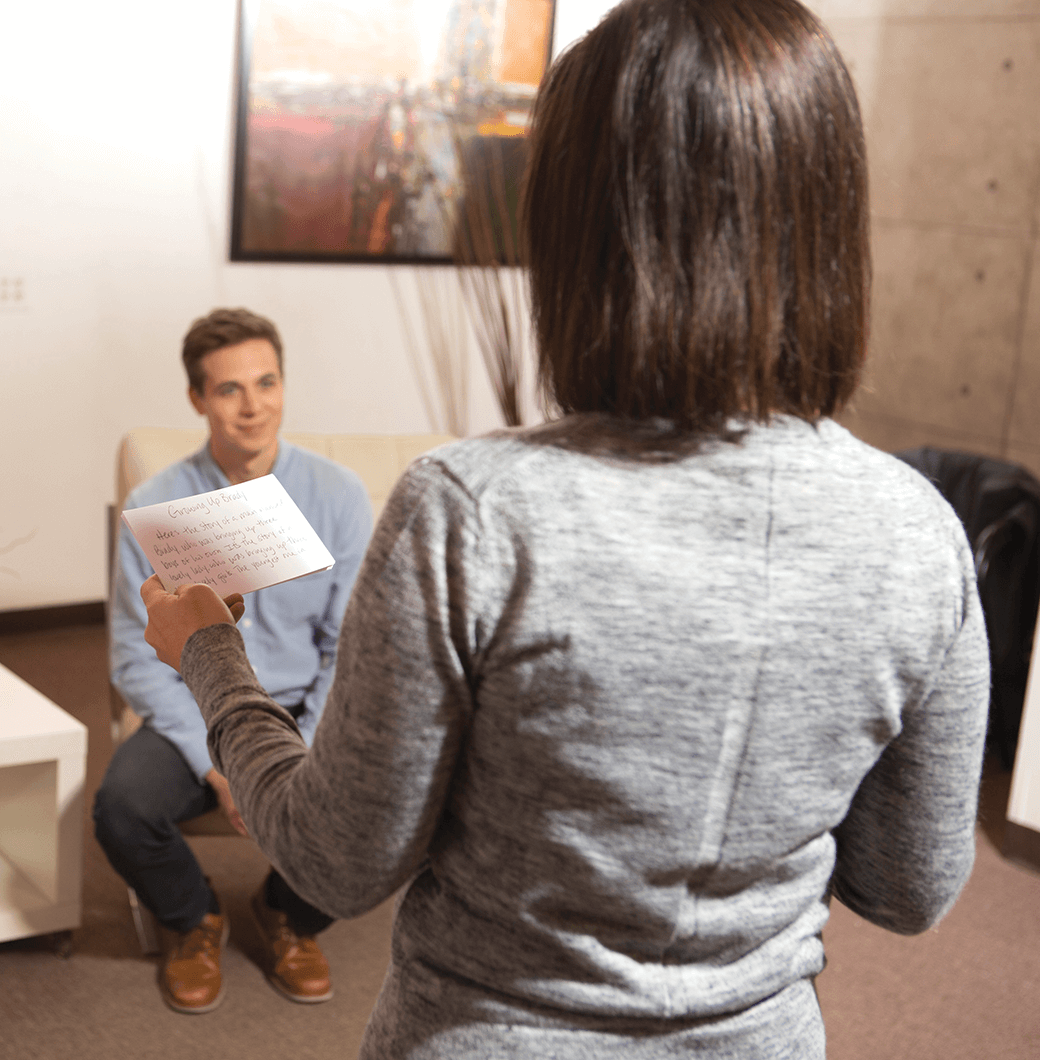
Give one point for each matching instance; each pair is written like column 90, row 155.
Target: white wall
column 115, row 147
column 115, row 141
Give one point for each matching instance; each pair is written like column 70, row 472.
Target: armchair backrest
column 379, row 459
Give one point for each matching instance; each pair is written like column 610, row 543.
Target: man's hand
column 174, row 617
column 219, row 784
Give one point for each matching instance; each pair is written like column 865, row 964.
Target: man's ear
column 196, row 401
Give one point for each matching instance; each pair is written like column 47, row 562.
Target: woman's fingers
column 236, row 604
column 174, row 617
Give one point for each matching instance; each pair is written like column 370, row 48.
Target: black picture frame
column 384, row 131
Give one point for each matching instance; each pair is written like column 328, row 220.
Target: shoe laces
column 294, row 945
column 283, row 928
column 201, row 939
column 307, row 944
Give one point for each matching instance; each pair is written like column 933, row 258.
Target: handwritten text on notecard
column 236, row 539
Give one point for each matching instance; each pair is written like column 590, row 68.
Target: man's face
column 242, row 399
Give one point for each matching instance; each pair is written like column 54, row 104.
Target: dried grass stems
column 488, row 255
column 445, row 324
column 487, row 289
column 491, row 297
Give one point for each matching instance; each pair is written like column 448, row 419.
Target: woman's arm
column 350, row 821
column 907, row 845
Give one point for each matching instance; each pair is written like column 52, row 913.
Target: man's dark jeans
column 146, row 790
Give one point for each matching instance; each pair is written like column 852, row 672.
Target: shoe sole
column 199, row 1010
column 188, row 1010
column 300, row 999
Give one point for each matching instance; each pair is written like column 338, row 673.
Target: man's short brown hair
column 220, row 328
column 695, row 217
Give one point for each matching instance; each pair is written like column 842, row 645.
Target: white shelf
column 43, row 754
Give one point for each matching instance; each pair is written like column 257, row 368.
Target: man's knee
column 119, row 818
column 146, row 790
column 137, row 802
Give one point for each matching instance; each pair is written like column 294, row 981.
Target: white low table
column 43, row 754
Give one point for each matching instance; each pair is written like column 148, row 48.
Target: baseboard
column 1021, row 845
column 38, row 618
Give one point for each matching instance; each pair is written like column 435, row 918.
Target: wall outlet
column 14, row 291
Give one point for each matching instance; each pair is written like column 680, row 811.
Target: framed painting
column 384, row 130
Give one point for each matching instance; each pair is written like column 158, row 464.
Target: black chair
column 999, row 505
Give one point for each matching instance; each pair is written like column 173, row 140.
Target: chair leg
column 145, row 923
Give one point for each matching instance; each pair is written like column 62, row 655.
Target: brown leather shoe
column 292, row 963
column 189, row 974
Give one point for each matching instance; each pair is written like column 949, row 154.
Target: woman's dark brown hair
column 695, row 217
column 220, row 328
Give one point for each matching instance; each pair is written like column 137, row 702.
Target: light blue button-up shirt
column 290, row 630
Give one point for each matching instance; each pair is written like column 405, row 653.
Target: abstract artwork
column 367, row 128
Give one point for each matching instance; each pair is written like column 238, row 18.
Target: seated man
column 163, row 773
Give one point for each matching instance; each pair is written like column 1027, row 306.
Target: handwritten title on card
column 237, row 539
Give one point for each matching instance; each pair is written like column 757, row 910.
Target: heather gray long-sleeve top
column 622, row 727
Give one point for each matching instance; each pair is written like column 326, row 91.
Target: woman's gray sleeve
column 350, row 822
column 907, row 845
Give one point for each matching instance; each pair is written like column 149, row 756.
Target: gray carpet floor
column 969, row 989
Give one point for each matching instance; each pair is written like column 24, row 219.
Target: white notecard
column 237, row 539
